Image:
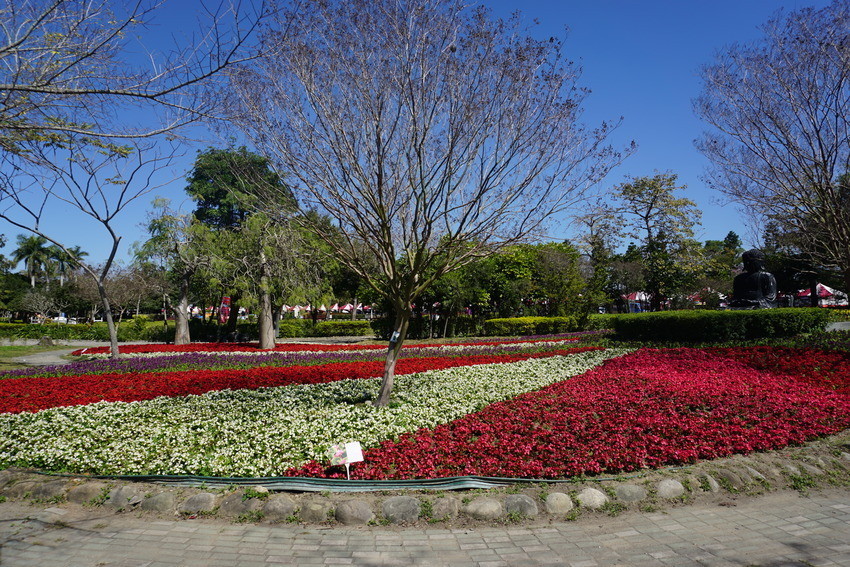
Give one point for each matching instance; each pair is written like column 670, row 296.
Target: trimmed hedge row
column 332, row 328
column 720, row 326
column 143, row 330
column 96, row 332
column 520, row 326
column 420, row 327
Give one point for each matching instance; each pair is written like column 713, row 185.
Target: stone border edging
column 816, row 464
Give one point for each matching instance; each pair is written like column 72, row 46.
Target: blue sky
column 641, row 60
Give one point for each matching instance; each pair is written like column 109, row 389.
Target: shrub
column 720, row 326
column 339, row 328
column 521, row 326
column 599, row 322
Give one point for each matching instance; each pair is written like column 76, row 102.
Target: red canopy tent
column 823, row 291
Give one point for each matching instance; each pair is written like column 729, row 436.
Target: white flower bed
column 263, row 432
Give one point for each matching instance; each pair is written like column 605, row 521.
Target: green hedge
column 599, row 322
column 720, row 326
column 522, row 326
column 96, row 332
column 340, row 328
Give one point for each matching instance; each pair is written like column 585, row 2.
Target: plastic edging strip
column 307, row 484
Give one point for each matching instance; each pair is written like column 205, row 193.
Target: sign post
column 346, row 454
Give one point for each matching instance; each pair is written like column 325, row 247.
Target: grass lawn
column 8, row 354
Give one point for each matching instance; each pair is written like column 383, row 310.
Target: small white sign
column 354, row 452
column 345, row 455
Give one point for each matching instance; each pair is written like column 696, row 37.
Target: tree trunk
column 813, row 293
column 110, row 324
column 847, row 282
column 233, row 318
column 277, row 314
column 181, row 314
column 354, row 309
column 266, row 318
column 402, row 321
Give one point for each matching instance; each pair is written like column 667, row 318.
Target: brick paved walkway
column 778, row 529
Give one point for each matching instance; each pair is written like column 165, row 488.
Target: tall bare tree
column 74, row 66
column 780, row 112
column 76, row 98
column 428, row 131
column 99, row 185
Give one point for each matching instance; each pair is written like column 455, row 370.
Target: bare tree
column 100, row 185
column 780, row 109
column 70, row 75
column 68, row 66
column 427, row 131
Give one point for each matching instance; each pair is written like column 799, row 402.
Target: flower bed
column 300, row 347
column 153, row 362
column 34, row 394
column 812, row 366
column 517, row 418
column 267, row 431
column 647, row 409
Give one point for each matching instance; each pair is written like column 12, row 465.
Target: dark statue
column 755, row 288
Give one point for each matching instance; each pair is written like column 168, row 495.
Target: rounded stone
column 236, row 503
column 20, row 489
column 124, row 497
column 521, row 504
column 162, row 502
column 485, row 508
column 592, row 498
column 354, row 512
column 87, row 493
column 203, row 502
column 731, row 478
column 7, row 477
column 713, row 485
column 316, row 511
column 401, row 509
column 811, row 469
column 445, row 508
column 50, row 491
column 754, row 473
column 669, row 488
column 558, row 503
column 630, row 492
column 279, row 507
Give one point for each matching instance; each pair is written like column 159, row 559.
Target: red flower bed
column 33, row 394
column 828, row 368
column 286, row 347
column 647, row 409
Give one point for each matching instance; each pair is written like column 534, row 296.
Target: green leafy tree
column 721, row 259
column 663, row 224
column 66, row 260
column 34, row 253
column 558, row 284
column 180, row 245
column 224, row 184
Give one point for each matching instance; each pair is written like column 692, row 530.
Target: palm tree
column 33, row 252
column 66, row 261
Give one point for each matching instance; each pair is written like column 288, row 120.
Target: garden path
column 778, row 529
